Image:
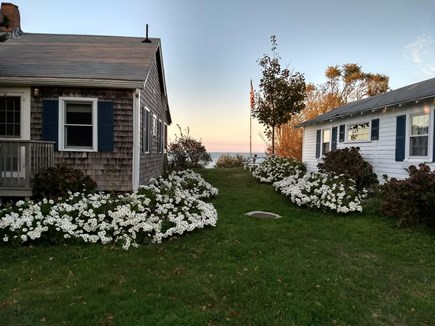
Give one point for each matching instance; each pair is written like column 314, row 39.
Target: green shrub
column 411, row 200
column 228, row 161
column 54, row 182
column 348, row 161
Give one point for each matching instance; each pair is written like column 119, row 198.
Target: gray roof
column 51, row 59
column 414, row 92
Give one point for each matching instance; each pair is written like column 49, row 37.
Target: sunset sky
column 211, row 47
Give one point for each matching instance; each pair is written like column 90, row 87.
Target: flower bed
column 166, row 207
column 276, row 168
column 322, row 190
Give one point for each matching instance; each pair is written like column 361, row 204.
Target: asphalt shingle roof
column 402, row 95
column 90, row 57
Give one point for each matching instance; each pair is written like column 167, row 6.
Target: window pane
column 418, row 146
column 78, row 136
column 79, row 113
column 10, row 116
column 420, row 124
column 358, row 132
column 326, row 135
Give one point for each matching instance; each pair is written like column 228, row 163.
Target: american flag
column 252, row 97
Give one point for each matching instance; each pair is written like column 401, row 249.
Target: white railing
column 20, row 160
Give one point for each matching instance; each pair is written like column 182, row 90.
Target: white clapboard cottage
column 393, row 130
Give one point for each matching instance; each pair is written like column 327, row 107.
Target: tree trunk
column 273, row 140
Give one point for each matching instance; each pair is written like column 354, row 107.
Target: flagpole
column 251, row 104
column 250, row 134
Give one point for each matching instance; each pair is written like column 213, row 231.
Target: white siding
column 379, row 153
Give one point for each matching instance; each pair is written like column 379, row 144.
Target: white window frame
column 146, row 128
column 62, row 109
column 323, row 142
column 154, row 125
column 409, row 135
column 347, row 140
column 24, row 95
column 160, row 140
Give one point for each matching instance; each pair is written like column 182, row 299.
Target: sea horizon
column 215, row 156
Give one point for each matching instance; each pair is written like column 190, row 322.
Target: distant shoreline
column 215, row 156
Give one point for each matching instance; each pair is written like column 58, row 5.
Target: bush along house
column 95, row 103
column 393, row 130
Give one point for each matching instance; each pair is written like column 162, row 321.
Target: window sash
column 10, row 116
column 358, row 132
column 418, row 145
column 326, row 141
column 78, row 130
column 419, row 135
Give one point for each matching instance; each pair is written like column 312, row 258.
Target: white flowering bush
column 277, row 168
column 164, row 208
column 322, row 190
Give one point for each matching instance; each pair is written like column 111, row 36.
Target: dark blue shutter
column 105, row 126
column 318, row 143
column 50, row 121
column 334, row 139
column 342, row 131
column 375, row 129
column 433, row 143
column 400, row 137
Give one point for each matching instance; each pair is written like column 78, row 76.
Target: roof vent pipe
column 147, row 40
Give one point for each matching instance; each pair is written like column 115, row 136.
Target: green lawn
column 307, row 268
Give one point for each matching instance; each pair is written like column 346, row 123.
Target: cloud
column 421, row 52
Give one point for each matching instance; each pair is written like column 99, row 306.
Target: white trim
column 430, row 144
column 154, row 125
column 136, row 140
column 61, row 135
column 24, row 94
column 146, row 127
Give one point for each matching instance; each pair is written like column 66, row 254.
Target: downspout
column 136, row 140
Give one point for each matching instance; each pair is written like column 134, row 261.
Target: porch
column 20, row 160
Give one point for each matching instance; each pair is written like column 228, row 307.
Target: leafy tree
column 185, row 152
column 281, row 94
column 343, row 84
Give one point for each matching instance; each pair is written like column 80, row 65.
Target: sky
column 211, row 48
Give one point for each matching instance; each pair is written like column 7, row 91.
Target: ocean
column 215, row 156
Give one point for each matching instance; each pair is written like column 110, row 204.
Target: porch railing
column 20, row 160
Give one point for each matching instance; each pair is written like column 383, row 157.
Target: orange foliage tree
column 343, row 84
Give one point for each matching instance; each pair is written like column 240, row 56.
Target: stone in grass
column 260, row 214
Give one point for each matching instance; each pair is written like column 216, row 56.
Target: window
column 154, row 125
column 326, row 141
column 419, row 135
column 78, row 124
column 10, row 116
column 146, row 131
column 159, row 137
column 358, row 131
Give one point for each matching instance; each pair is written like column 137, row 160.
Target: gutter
column 72, row 82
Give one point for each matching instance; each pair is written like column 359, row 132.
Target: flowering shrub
column 411, row 200
column 277, row 168
column 348, row 161
column 322, row 190
column 165, row 207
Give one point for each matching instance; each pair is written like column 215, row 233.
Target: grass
column 307, row 268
